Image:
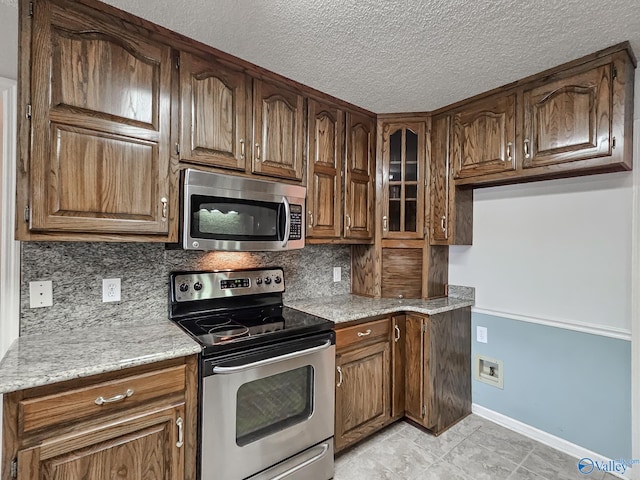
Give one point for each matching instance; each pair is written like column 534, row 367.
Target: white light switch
column 40, row 294
column 481, row 334
column 337, row 274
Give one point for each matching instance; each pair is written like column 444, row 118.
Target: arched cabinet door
column 278, row 117
column 484, row 136
column 360, row 176
column 213, row 114
column 100, row 159
column 569, row 120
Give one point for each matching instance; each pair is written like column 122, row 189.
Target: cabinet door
column 278, row 116
column 146, row 447
column 569, row 119
column 403, row 163
column 100, row 159
column 324, row 172
column 414, row 372
column 440, row 178
column 359, row 192
column 362, row 392
column 399, row 335
column 484, row 137
column 401, row 272
column 214, row 113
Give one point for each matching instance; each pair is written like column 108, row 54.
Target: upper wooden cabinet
column 215, row 113
column 360, row 176
column 324, row 171
column 451, row 208
column 484, row 135
column 403, row 165
column 99, row 158
column 569, row 119
column 278, row 121
column 575, row 119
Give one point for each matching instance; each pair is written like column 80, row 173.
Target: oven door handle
column 324, row 449
column 287, row 221
column 269, row 361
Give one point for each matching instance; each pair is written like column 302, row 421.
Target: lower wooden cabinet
column 363, row 381
column 438, row 368
column 138, row 423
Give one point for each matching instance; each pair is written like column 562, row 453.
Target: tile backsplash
column 77, row 270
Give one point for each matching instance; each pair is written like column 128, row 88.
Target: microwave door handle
column 269, row 361
column 287, row 221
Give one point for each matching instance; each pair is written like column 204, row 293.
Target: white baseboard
column 543, row 437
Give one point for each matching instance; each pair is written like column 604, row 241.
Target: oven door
column 261, row 409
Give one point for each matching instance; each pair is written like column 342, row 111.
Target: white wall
column 8, row 41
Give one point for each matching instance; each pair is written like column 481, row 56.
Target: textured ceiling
column 396, row 56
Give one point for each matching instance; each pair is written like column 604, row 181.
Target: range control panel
column 191, row 286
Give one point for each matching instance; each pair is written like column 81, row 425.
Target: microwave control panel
column 295, row 220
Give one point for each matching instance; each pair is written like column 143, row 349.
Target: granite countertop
column 346, row 308
column 36, row 360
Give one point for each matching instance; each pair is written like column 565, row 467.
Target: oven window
column 223, row 218
column 271, row 404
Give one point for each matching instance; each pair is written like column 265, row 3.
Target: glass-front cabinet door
column 403, row 157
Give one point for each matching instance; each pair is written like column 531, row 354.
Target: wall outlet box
column 337, row 274
column 481, row 334
column 110, row 289
column 40, row 294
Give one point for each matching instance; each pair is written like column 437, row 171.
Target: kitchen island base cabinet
column 137, row 423
column 438, row 368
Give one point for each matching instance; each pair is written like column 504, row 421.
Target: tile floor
column 474, row 449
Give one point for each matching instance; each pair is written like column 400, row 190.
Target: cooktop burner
column 236, row 310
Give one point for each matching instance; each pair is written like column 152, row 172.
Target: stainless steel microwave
column 224, row 212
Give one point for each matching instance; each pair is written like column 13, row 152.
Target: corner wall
column 551, row 263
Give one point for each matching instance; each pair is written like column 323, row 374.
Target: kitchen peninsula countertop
column 347, row 308
column 36, row 360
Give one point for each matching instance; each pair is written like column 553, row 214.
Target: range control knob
column 267, row 280
column 183, row 287
column 197, row 286
column 277, row 280
column 258, row 281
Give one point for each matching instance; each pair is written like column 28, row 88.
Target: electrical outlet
column 110, row 289
column 40, row 294
column 337, row 274
column 481, row 334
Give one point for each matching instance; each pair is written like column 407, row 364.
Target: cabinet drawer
column 362, row 333
column 83, row 403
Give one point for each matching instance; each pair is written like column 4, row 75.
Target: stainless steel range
column 266, row 376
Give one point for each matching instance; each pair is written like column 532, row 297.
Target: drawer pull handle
column 117, row 398
column 241, row 149
column 364, row 334
column 526, row 148
column 509, row 157
column 397, row 338
column 339, row 384
column 164, row 202
column 180, row 424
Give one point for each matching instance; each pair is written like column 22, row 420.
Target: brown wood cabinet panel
column 324, row 173
column 440, row 178
column 360, row 176
column 399, row 334
column 143, row 448
column 100, row 159
column 278, row 121
column 79, row 404
column 364, row 278
column 568, row 119
column 484, row 135
column 214, row 113
column 360, row 334
column 402, row 272
column 403, row 164
column 362, row 392
column 414, row 371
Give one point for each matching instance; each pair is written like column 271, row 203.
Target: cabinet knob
column 348, row 217
column 258, row 152
column 310, row 219
column 242, row 148
column 180, row 424
column 526, row 148
column 339, row 384
column 384, row 223
column 509, row 157
column 397, row 337
column 164, row 203
column 443, row 223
